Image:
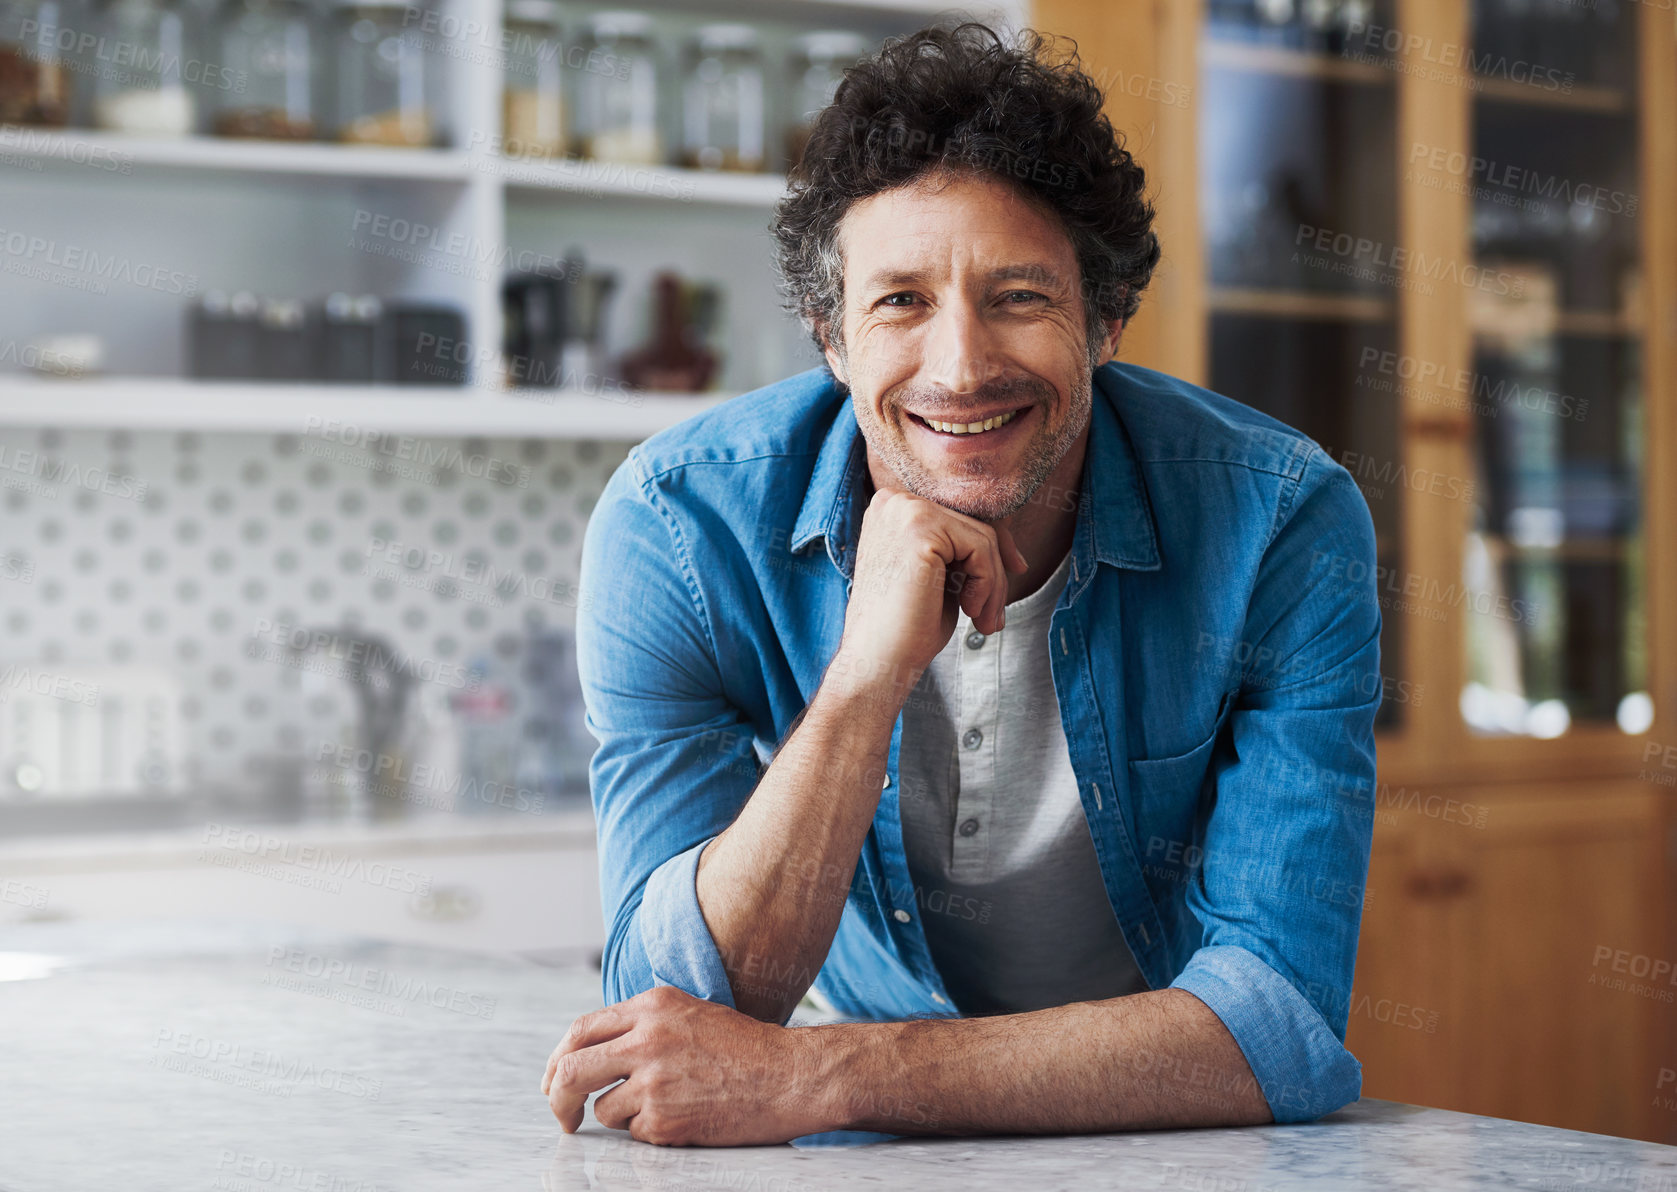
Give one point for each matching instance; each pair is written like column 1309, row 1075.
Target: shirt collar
column 1115, row 518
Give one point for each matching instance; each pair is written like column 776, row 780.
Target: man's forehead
column 984, row 224
column 911, row 266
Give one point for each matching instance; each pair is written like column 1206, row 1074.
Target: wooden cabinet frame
column 1157, row 42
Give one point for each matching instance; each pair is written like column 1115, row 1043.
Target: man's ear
column 835, row 360
column 1114, row 333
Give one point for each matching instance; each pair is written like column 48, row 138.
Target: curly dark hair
column 960, row 98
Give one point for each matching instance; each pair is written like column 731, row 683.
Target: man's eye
column 891, row 299
column 1017, row 297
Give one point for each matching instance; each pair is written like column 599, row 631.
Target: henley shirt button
column 886, row 783
column 975, row 640
column 968, row 827
column 972, row 738
column 901, row 916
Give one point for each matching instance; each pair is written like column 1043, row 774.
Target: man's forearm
column 1151, row 1060
column 772, row 887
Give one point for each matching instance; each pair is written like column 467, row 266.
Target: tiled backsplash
column 203, row 556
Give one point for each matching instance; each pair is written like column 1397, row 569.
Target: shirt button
column 938, row 998
column 975, row 640
column 968, row 827
column 886, row 783
column 972, row 738
column 902, row 916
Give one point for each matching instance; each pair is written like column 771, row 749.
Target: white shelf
column 166, row 404
column 603, row 179
column 81, row 148
column 1017, row 10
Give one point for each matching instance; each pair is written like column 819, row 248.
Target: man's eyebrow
column 884, row 279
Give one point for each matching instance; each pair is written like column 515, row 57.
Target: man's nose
column 961, row 351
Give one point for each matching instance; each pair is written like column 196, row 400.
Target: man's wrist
column 853, row 1079
column 869, row 686
column 827, row 1060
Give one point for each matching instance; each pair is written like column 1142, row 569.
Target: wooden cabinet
column 1515, row 957
column 1440, row 237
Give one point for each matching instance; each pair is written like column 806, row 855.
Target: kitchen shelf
column 604, row 179
column 87, row 149
column 1583, row 324
column 251, row 406
column 1608, row 101
column 1596, row 548
column 1294, row 64
column 1294, row 304
column 437, row 226
column 1016, row 11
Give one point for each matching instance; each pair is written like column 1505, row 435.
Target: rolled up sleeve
column 1280, row 893
column 675, row 760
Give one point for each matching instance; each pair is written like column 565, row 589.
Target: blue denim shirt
column 1215, row 656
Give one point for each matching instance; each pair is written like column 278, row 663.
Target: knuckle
column 654, row 1128
column 565, row 1071
column 655, row 1037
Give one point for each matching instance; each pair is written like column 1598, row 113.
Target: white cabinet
column 500, row 886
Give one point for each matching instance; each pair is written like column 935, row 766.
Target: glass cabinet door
column 1297, row 164
column 1553, row 562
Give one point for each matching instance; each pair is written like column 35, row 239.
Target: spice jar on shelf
column 533, row 103
column 617, row 90
column 383, row 76
column 269, row 45
column 722, row 101
column 818, row 64
column 140, row 87
column 34, row 87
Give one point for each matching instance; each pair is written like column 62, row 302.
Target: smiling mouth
column 969, row 428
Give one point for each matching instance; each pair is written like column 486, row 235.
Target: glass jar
column 617, row 90
column 382, row 80
column 817, row 65
column 533, row 102
column 269, row 45
column 139, row 84
column 722, row 101
column 34, row 87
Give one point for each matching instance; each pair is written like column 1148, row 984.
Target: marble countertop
column 251, row 1059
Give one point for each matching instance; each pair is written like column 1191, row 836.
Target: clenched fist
column 918, row 565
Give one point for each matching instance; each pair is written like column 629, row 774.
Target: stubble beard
column 980, row 493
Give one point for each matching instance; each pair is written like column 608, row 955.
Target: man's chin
column 990, row 501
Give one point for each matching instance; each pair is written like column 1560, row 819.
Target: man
column 1011, row 701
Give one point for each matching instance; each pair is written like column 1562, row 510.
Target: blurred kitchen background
column 324, row 324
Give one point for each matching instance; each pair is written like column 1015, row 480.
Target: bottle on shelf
column 533, row 115
column 383, row 81
column 617, row 104
column 817, row 67
column 582, row 334
column 270, row 47
column 722, row 101
column 490, row 737
column 557, row 744
column 34, row 86
column 146, row 94
column 676, row 359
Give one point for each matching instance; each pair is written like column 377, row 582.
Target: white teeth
column 971, row 428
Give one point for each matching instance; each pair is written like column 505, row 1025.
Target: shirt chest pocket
column 1167, row 794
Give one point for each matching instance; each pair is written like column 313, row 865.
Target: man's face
column 962, row 303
